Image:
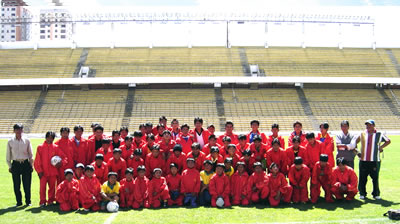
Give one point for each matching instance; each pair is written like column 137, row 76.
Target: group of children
column 166, row 166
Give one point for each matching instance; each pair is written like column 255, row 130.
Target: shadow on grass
column 382, row 202
column 53, row 208
column 12, row 209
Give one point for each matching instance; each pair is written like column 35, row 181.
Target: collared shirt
column 350, row 141
column 206, row 177
column 19, row 150
column 370, row 144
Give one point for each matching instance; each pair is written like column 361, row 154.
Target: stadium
column 62, row 65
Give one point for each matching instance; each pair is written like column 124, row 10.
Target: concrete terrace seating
column 42, row 63
column 322, row 62
column 145, row 62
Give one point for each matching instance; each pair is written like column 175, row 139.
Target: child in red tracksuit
column 141, row 189
column 232, row 153
column 106, row 149
column 67, row 192
column 299, row 174
column 46, row 171
column 239, row 185
column 79, row 171
column 174, row 180
column 321, row 176
column 257, row 187
column 126, row 196
column 158, row 190
column 249, row 161
column 278, row 156
column 89, row 190
column 177, row 157
column 154, row 160
column 344, row 181
column 219, row 186
column 100, row 168
column 66, row 147
column 136, row 161
column 190, row 185
column 278, row 186
column 117, row 164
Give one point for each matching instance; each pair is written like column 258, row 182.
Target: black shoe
column 165, row 204
column 18, row 204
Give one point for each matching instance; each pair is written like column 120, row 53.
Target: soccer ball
column 55, row 160
column 220, row 202
column 112, row 206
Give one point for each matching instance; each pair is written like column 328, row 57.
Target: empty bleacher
column 42, row 63
column 72, row 107
column 145, row 62
column 322, row 62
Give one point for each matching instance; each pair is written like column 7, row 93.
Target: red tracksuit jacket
column 190, row 181
column 204, row 132
column 174, row 182
column 107, row 153
column 258, row 180
column 127, row 192
column 157, row 186
column 348, row 177
column 328, row 147
column 133, row 163
column 240, row 149
column 207, row 148
column 326, row 178
column 314, row 151
column 249, row 164
column 260, row 153
column 101, row 172
column 277, row 183
column 44, row 153
column 234, row 139
column 126, row 152
column 263, row 137
column 180, row 161
column 118, row 166
column 219, row 186
column 66, row 148
column 271, row 138
column 239, row 184
column 303, row 140
column 89, row 187
column 299, row 177
column 235, row 159
column 199, row 160
column 220, row 159
column 279, row 157
column 302, row 152
column 66, row 189
column 166, row 148
column 153, row 162
column 80, row 153
column 141, row 189
column 186, row 143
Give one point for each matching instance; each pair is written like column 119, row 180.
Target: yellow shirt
column 205, row 178
column 230, row 172
column 105, row 188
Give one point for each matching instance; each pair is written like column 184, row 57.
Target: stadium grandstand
column 174, row 69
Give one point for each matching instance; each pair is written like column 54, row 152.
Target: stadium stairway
column 394, row 60
column 307, row 108
column 389, row 102
column 220, row 108
column 244, row 62
column 130, row 98
column 81, row 62
column 36, row 110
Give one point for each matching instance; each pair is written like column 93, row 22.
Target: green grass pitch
column 357, row 211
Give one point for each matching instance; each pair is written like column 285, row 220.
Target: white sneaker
column 86, row 210
column 377, row 197
column 362, row 197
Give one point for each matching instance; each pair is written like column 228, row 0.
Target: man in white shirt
column 19, row 160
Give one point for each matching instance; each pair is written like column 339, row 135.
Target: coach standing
column 371, row 146
column 19, row 159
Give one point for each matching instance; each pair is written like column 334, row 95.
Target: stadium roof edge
column 200, row 80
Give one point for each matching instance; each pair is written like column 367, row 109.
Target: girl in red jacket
column 158, row 190
column 126, row 196
column 67, row 192
column 239, row 185
column 220, row 186
column 278, row 186
column 46, row 171
column 299, row 174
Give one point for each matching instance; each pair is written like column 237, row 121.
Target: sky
column 221, row 3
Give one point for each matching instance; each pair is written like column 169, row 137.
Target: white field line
column 111, row 218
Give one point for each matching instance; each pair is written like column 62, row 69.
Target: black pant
column 350, row 163
column 25, row 170
column 369, row 169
